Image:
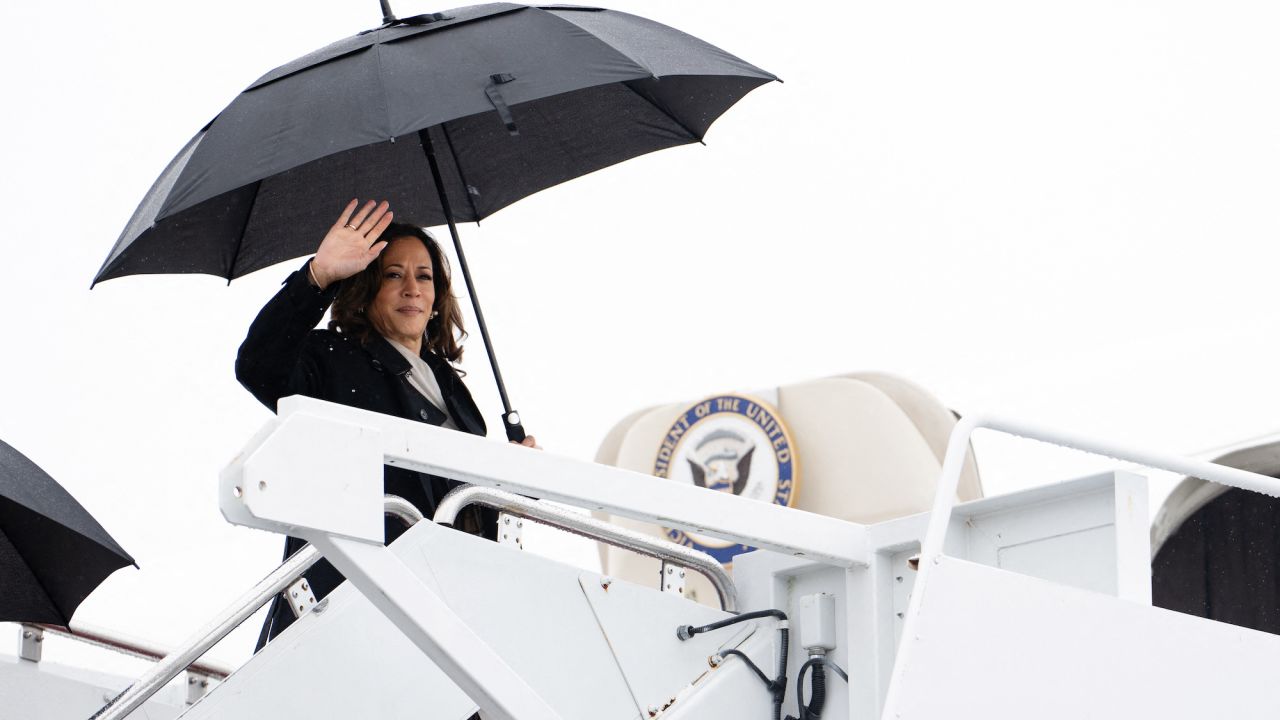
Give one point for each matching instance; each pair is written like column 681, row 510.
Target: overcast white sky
column 1063, row 212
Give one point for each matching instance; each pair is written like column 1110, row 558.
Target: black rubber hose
column 754, row 668
column 800, row 706
column 819, row 685
column 780, row 685
column 818, row 664
column 684, row 632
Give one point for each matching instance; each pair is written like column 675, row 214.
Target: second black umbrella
column 52, row 552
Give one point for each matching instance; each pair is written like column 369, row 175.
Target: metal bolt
column 606, row 582
column 715, row 660
column 653, row 710
column 262, row 484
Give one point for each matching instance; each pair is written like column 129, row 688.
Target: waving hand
column 352, row 243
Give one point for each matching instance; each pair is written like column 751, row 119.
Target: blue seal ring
column 763, row 417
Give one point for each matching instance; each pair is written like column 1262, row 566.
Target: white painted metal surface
column 187, row 656
column 427, row 620
column 675, row 557
column 511, row 530
column 958, row 446
column 1051, row 531
column 183, row 656
column 350, row 661
column 548, row 476
column 937, row 535
column 510, row 649
column 50, row 691
column 994, row 645
column 730, row 691
column 658, row 666
column 299, row 456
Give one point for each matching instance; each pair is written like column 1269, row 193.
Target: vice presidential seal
column 730, row 443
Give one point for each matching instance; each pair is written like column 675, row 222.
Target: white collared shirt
column 424, row 381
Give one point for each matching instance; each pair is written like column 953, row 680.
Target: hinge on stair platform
column 672, row 579
column 300, row 597
column 511, row 531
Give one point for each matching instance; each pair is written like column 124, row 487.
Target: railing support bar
column 246, row 605
column 958, row 445
column 594, row 529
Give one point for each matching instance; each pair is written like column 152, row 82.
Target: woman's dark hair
column 356, row 293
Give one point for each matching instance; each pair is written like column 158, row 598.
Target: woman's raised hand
column 352, row 243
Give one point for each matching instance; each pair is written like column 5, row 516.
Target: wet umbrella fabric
column 52, row 552
column 513, row 98
column 450, row 117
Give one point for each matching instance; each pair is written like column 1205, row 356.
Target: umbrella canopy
column 52, row 552
column 514, row 99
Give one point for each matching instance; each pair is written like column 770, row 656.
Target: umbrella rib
column 235, row 256
column 580, row 28
column 640, row 64
column 462, row 177
column 382, row 86
column 40, row 584
column 666, row 112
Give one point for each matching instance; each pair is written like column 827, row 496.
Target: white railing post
column 949, row 480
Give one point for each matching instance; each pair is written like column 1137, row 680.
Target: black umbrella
column 450, row 116
column 52, row 552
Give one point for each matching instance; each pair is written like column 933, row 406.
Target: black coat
column 284, row 355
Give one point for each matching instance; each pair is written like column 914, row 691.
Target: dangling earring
column 434, row 313
column 359, row 311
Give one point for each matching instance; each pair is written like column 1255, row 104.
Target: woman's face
column 403, row 304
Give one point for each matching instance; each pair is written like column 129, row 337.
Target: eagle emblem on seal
column 733, row 444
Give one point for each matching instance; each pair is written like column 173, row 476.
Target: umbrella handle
column 515, row 431
column 510, row 418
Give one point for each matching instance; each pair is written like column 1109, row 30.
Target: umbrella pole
column 510, row 418
column 388, row 17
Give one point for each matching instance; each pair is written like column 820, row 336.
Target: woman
column 392, row 335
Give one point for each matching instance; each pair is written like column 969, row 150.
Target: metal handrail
column 401, row 509
column 933, row 545
column 589, row 527
column 133, row 647
column 246, row 605
column 949, row 479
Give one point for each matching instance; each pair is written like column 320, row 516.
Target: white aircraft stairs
column 1033, row 604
